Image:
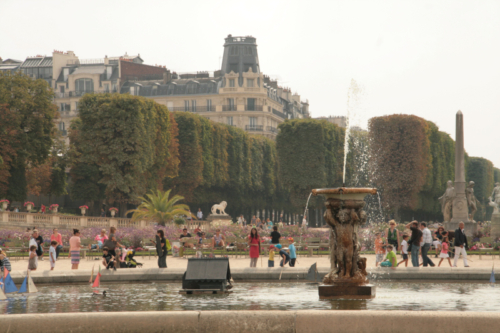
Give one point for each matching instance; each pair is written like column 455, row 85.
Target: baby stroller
column 130, row 261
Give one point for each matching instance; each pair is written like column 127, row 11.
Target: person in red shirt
column 43, row 209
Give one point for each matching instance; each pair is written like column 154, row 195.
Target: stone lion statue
column 219, row 207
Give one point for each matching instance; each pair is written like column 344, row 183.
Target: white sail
column 2, row 295
column 31, row 285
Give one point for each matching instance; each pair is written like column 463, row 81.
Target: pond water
column 253, row 296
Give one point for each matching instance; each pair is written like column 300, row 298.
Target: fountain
column 344, row 213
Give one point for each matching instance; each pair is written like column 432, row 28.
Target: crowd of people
column 418, row 244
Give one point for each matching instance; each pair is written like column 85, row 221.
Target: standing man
column 427, row 240
column 253, row 221
column 416, row 235
column 199, row 215
column 460, row 244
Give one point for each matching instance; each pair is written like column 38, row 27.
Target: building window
column 209, row 105
column 106, row 87
column 253, row 121
column 76, row 106
column 230, row 102
column 193, row 105
column 62, row 127
column 250, row 83
column 62, row 108
column 230, row 121
column 61, row 89
column 86, row 85
column 250, row 104
column 186, row 105
column 231, row 83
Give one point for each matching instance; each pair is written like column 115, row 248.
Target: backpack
column 168, row 245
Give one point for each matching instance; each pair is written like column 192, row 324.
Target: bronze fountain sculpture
column 347, row 277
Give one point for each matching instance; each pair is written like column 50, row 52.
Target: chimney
column 167, row 77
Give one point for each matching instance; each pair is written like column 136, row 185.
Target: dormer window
column 250, row 83
column 231, row 83
column 84, row 85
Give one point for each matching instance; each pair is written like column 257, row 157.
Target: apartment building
column 237, row 94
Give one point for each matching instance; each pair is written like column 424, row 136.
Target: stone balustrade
column 68, row 221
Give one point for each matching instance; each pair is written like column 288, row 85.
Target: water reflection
column 252, row 296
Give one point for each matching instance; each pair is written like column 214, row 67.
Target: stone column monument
column 460, row 210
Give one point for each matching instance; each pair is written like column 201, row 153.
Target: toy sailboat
column 7, row 283
column 97, row 281
column 2, row 295
column 28, row 285
column 96, row 286
column 91, row 275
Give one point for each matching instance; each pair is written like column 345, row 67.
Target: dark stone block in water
column 346, row 291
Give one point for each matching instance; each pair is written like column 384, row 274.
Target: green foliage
column 496, row 173
column 27, row 106
column 124, row 136
column 159, row 207
column 310, row 155
column 84, row 176
column 480, row 170
column 400, row 159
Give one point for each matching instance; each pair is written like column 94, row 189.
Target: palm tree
column 159, row 208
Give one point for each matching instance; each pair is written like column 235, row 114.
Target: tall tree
column 400, row 159
column 126, row 138
column 29, row 105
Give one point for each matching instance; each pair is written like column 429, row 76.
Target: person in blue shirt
column 285, row 257
column 293, row 253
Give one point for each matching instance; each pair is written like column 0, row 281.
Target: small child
column 5, row 262
column 109, row 260
column 270, row 262
column 391, row 256
column 285, row 257
column 293, row 252
column 379, row 250
column 33, row 258
column 444, row 251
column 52, row 254
column 404, row 250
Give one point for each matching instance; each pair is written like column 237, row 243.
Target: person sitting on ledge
column 100, row 240
column 108, row 260
column 390, row 257
column 185, row 233
column 218, row 240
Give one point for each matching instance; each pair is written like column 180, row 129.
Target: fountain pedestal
column 339, row 291
column 344, row 213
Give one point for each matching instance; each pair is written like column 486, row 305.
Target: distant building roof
column 200, row 86
column 37, row 62
column 89, row 69
column 11, row 61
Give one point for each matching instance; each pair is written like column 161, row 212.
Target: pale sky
column 415, row 57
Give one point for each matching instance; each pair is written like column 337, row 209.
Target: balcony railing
column 81, row 93
column 201, row 108
column 229, row 107
column 272, row 129
column 253, row 107
column 279, row 114
column 259, row 128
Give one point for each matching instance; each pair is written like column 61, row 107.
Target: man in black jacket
column 460, row 244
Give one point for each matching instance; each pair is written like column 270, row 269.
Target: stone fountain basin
column 345, row 193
